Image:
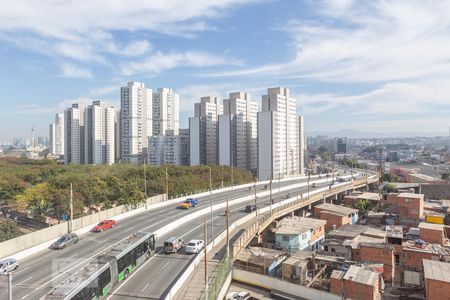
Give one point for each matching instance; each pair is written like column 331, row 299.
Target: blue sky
column 375, row 66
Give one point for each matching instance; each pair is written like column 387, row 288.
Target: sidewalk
column 194, row 288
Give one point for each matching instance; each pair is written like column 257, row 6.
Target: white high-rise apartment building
column 100, row 134
column 74, row 134
column 57, row 136
column 169, row 149
column 278, row 135
column 203, row 131
column 238, row 132
column 136, row 121
column 165, row 111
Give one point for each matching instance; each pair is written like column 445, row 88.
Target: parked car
column 65, row 240
column 173, row 244
column 103, row 225
column 194, row 246
column 238, row 296
column 8, row 265
column 188, row 203
column 250, row 208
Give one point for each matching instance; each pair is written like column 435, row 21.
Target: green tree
column 390, row 177
column 390, row 188
column 445, row 176
column 8, row 230
column 363, row 206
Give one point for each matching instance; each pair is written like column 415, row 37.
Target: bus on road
column 96, row 278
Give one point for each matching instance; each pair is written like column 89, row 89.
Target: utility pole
column 228, row 234
column 222, row 176
column 256, row 206
column 205, row 233
column 210, row 203
column 279, row 183
column 71, row 207
column 308, row 182
column 271, row 201
column 145, row 184
column 10, row 286
column 167, row 184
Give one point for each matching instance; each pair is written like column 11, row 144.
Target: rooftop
column 436, row 270
column 426, row 247
column 260, row 256
column 337, row 208
column 394, row 231
column 431, row 226
column 370, row 196
column 361, row 275
column 410, row 195
column 347, row 231
column 298, row 225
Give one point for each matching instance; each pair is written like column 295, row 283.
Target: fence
column 215, row 285
column 39, row 237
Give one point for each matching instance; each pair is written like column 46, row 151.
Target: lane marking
column 162, row 268
column 134, row 273
column 24, row 280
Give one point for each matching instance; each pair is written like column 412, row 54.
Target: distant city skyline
column 375, row 66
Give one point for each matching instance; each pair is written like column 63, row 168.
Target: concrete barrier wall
column 44, row 237
column 272, row 283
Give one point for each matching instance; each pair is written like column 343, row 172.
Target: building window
column 333, row 250
column 325, row 248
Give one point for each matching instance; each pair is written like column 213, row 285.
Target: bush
column 8, row 230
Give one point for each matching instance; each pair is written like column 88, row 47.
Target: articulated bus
column 101, row 274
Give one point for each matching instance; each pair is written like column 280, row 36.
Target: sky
column 374, row 66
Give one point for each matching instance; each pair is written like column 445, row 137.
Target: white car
column 238, row 296
column 194, row 246
column 8, row 265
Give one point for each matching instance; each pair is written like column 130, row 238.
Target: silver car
column 65, row 240
column 8, row 265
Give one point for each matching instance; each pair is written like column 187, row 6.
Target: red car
column 103, row 225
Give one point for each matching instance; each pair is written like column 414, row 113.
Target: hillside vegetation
column 43, row 187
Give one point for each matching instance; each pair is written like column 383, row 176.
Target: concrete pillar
column 304, row 213
column 292, row 214
column 309, row 206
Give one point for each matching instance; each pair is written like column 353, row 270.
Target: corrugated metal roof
column 436, row 270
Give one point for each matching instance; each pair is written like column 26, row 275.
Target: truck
column 188, row 203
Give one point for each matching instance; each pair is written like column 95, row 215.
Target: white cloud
column 159, row 62
column 84, row 30
column 72, row 71
column 105, row 90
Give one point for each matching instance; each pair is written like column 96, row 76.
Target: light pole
column 205, row 233
column 145, row 184
column 210, row 203
column 256, row 207
column 271, row 200
column 9, row 275
column 71, row 207
column 228, row 225
column 167, row 183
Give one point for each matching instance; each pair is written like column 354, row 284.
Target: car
column 173, row 244
column 65, row 240
column 194, row 246
column 314, row 185
column 8, row 265
column 103, row 225
column 238, row 296
column 250, row 208
column 188, row 203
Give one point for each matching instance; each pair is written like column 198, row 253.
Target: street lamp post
column 256, row 206
column 9, row 275
column 271, row 200
column 145, row 184
column 71, row 207
column 210, row 203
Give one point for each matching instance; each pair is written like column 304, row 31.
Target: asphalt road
column 159, row 273
column 34, row 277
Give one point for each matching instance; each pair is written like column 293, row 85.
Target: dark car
column 250, row 208
column 65, row 240
column 103, row 225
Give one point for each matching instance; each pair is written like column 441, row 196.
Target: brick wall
column 385, row 256
column 318, row 233
column 431, row 235
column 413, row 259
column 353, row 290
column 411, row 208
column 437, row 290
column 333, row 219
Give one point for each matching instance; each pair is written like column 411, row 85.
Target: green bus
column 96, row 278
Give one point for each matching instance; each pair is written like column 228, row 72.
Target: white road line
column 134, row 273
column 131, row 228
column 24, row 280
column 163, row 267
